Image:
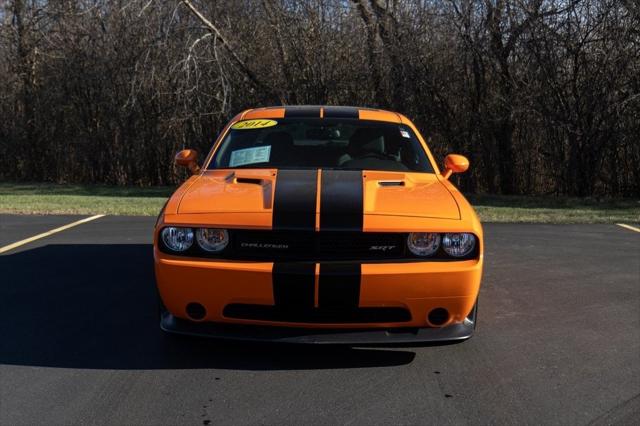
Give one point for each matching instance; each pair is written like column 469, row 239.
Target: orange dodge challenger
column 311, row 224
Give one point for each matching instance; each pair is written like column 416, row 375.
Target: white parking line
column 624, row 225
column 46, row 234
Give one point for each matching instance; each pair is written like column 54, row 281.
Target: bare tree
column 542, row 95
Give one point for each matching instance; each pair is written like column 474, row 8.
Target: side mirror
column 454, row 163
column 188, row 158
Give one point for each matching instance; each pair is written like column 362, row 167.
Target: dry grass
column 81, row 199
column 519, row 209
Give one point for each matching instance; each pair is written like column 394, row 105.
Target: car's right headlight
column 177, row 239
column 423, row 243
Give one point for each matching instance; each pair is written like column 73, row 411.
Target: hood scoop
column 224, row 191
column 407, row 194
column 251, row 181
column 266, row 184
column 234, row 178
column 391, row 183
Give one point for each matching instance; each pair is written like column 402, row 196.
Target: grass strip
column 18, row 198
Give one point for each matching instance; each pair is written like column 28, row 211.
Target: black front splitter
column 454, row 332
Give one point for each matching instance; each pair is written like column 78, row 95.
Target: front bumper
column 415, row 287
column 256, row 333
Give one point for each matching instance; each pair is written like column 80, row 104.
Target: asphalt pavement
column 558, row 341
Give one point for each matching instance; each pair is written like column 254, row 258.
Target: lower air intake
column 316, row 315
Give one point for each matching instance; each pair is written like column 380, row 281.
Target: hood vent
column 253, row 181
column 391, row 183
column 233, row 178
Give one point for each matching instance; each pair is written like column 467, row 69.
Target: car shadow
column 94, row 306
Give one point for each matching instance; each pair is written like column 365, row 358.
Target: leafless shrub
column 542, row 95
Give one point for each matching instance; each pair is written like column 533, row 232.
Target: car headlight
column 177, row 239
column 423, row 243
column 458, row 245
column 212, row 239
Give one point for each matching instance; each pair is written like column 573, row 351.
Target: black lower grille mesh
column 316, row 315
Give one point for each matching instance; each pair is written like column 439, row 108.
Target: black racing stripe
column 341, row 112
column 302, row 111
column 341, row 201
column 294, row 203
column 339, row 285
column 293, row 286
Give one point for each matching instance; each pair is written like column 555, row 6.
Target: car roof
column 323, row 111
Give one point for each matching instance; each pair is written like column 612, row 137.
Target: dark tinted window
column 344, row 144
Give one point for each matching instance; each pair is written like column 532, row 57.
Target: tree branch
column 234, row 56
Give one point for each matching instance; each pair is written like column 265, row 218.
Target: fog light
column 438, row 316
column 196, row 311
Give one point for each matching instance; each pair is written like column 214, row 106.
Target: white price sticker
column 256, row 155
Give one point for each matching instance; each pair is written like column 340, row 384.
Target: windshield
column 340, row 144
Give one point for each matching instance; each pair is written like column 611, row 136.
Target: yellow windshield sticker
column 253, row 124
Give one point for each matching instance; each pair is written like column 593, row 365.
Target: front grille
column 316, row 246
column 323, row 246
column 316, row 315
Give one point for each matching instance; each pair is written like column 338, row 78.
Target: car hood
column 383, row 193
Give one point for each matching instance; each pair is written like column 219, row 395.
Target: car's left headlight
column 177, row 239
column 213, row 240
column 458, row 244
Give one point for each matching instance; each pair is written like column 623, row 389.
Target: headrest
column 366, row 140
